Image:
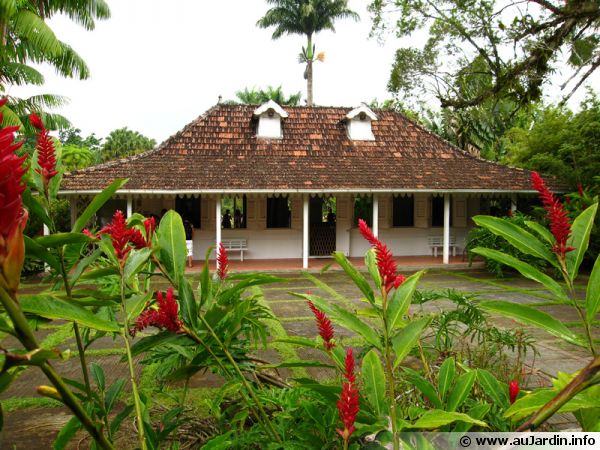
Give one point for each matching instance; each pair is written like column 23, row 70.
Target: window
column 106, row 212
column 497, row 207
column 404, row 211
column 278, row 212
column 189, row 209
column 234, row 212
column 437, row 211
column 363, row 209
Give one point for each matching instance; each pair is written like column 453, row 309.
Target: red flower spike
column 222, row 262
column 165, row 317
column 347, row 405
column 398, row 281
column 513, row 391
column 122, row 237
column 46, row 151
column 324, row 325
column 385, row 259
column 149, row 226
column 560, row 226
column 580, row 189
column 12, row 215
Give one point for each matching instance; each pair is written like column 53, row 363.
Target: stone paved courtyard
column 31, row 422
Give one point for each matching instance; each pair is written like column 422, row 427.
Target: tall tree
column 124, row 142
column 258, row 96
column 305, row 17
column 519, row 42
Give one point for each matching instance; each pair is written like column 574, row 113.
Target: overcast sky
column 157, row 65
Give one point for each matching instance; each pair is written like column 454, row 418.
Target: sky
column 157, row 65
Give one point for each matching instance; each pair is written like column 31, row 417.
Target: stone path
column 23, row 426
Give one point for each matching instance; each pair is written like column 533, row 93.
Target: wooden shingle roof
column 219, row 152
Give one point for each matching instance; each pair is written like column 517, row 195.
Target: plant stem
column 134, row 387
column 26, row 337
column 582, row 317
column 389, row 368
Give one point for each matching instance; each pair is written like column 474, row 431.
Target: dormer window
column 269, row 117
column 358, row 122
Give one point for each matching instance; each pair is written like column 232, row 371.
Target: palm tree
column 258, row 96
column 305, row 17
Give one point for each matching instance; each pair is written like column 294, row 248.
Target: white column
column 129, row 207
column 446, row 228
column 218, row 227
column 305, row 226
column 375, row 215
column 46, row 232
column 513, row 203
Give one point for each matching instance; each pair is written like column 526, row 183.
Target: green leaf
column 374, row 381
column 400, row 301
column 371, row 263
column 135, row 260
column 297, row 340
column 35, row 208
column 83, row 264
column 98, row 374
column 531, row 403
column 100, row 273
column 579, row 239
column 527, row 270
column 187, row 303
column 172, row 250
column 136, row 304
column 517, row 236
column 112, row 394
column 66, row 433
column 424, row 386
column 446, row 377
column 542, row 231
column 355, row 275
column 97, row 203
column 493, row 388
column 297, row 363
column 461, row 391
column 147, row 343
column 532, row 316
column 407, row 338
column 59, row 239
column 53, row 308
column 437, row 418
column 204, row 288
column 592, row 298
column 35, row 250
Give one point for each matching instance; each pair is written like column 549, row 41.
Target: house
column 292, row 182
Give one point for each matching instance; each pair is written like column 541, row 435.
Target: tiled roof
column 219, row 151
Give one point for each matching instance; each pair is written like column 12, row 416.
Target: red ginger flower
column 513, row 391
column 123, row 238
column 385, row 259
column 560, row 226
column 46, row 151
column 166, row 316
column 12, row 215
column 347, row 405
column 222, row 261
column 324, row 325
column 149, row 226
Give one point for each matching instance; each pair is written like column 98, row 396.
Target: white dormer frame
column 269, row 116
column 359, row 123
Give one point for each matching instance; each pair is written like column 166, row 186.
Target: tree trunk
column 309, row 83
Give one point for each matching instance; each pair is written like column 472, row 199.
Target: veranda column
column 218, row 227
column 305, row 227
column 375, row 215
column 129, row 207
column 446, row 228
column 513, row 203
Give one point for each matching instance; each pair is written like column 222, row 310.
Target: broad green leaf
column 446, row 377
column 407, row 338
column 592, row 298
column 187, row 303
column 100, row 273
column 461, row 390
column 527, row 270
column 355, row 275
column 493, row 388
column 59, row 239
column 97, row 203
column 204, row 288
column 579, row 239
column 437, row 418
column 297, row 340
column 172, row 249
column 531, row 403
column 35, row 208
column 374, row 381
column 478, row 411
column 112, row 394
column 399, row 302
column 98, row 375
column 371, row 263
column 541, row 230
column 297, row 363
column 135, row 261
column 147, row 343
column 135, row 305
column 53, row 308
column 35, row 250
column 517, row 236
column 83, row 264
column 67, row 433
column 424, row 386
column 532, row 316
column 345, row 318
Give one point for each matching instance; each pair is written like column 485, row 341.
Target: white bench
column 436, row 242
column 236, row 245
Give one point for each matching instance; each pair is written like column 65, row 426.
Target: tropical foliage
column 255, row 96
column 124, row 142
